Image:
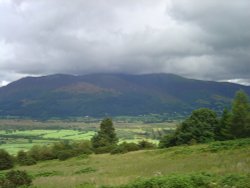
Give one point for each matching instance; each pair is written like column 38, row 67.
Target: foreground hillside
column 218, row 159
column 112, row 94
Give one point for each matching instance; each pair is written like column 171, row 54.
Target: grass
column 14, row 148
column 231, row 157
column 62, row 134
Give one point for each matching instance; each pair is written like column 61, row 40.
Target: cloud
column 199, row 39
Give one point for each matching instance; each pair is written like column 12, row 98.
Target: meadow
column 222, row 163
column 16, row 134
column 217, row 158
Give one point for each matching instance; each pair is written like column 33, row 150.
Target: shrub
column 104, row 149
column 173, row 181
column 15, row 179
column 64, row 155
column 201, row 180
column 146, row 145
column 82, row 147
column 125, row 147
column 24, row 159
column 234, row 180
column 46, row 153
column 41, row 153
column 6, row 161
column 61, row 150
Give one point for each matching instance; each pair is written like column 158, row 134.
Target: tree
column 106, row 136
column 6, row 161
column 198, row 128
column 240, row 115
column 223, row 131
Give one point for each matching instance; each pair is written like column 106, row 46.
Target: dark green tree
column 198, row 128
column 223, row 130
column 6, row 161
column 106, row 136
column 240, row 115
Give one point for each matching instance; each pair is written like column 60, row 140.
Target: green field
column 18, row 135
column 219, row 158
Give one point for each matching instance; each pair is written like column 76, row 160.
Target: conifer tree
column 223, row 131
column 106, row 136
column 240, row 115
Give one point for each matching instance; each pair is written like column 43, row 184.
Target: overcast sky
column 202, row 39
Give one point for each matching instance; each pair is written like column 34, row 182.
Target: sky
column 208, row 39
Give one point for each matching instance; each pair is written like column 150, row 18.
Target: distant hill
column 112, row 94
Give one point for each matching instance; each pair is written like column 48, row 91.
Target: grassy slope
column 219, row 158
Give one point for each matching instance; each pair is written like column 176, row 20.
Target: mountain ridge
column 63, row 95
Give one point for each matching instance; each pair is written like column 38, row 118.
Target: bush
column 60, row 150
column 64, row 155
column 228, row 145
column 15, row 179
column 173, row 181
column 41, row 153
column 125, row 147
column 146, row 145
column 104, row 149
column 24, row 159
column 200, row 180
column 46, row 153
column 82, row 147
column 233, row 180
column 6, row 161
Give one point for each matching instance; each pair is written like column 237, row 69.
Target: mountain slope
column 111, row 94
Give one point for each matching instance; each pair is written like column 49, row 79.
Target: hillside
column 227, row 160
column 111, row 94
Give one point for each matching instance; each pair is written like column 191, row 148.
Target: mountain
column 112, row 94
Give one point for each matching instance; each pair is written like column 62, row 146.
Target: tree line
column 204, row 125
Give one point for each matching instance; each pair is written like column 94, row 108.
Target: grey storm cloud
column 206, row 39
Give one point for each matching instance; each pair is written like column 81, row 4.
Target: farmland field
column 18, row 134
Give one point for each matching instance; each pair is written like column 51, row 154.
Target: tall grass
column 230, row 157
